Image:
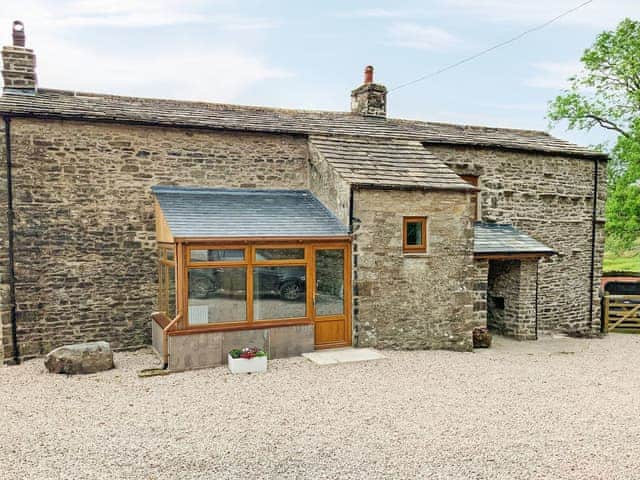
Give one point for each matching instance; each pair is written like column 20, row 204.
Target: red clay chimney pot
column 18, row 34
column 368, row 74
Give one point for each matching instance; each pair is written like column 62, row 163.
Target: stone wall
column 18, row 67
column 527, row 309
column 330, row 188
column 413, row 301
column 511, row 297
column 479, row 288
column 369, row 99
column 550, row 198
column 502, row 295
column 208, row 349
column 85, row 258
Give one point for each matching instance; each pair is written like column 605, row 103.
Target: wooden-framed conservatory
column 248, row 283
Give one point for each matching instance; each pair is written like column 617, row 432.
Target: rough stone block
column 290, row 341
column 187, row 352
column 80, row 358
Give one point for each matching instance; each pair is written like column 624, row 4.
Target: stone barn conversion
column 290, row 230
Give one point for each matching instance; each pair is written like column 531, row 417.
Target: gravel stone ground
column 552, row 409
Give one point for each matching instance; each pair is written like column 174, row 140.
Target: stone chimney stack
column 369, row 99
column 18, row 63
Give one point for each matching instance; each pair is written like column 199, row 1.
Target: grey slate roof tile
column 496, row 238
column 211, row 212
column 386, row 162
column 71, row 105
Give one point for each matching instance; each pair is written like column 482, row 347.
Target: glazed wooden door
column 332, row 296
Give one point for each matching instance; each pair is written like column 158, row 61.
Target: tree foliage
column 606, row 94
column 623, row 203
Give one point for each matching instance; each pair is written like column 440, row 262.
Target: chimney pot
column 368, row 74
column 18, row 34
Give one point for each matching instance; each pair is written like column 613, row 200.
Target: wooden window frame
column 164, row 266
column 422, row 248
column 249, row 263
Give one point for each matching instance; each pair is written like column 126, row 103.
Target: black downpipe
column 10, row 235
column 354, row 261
column 593, row 240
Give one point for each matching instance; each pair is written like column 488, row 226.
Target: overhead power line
column 494, row 47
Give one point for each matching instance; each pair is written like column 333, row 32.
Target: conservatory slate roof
column 210, row 212
column 48, row 103
column 387, row 162
column 496, row 238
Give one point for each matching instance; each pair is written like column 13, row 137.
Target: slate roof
column 494, row 238
column 387, row 162
column 206, row 212
column 48, row 103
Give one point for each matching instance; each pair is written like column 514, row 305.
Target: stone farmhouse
column 285, row 229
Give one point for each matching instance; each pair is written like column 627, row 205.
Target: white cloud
column 168, row 69
column 412, row 35
column 553, row 75
column 126, row 14
column 521, row 107
column 201, row 74
column 598, row 14
column 486, row 119
column 377, row 13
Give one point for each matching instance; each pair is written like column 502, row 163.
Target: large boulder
column 80, row 358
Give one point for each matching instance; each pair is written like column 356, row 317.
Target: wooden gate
column 622, row 313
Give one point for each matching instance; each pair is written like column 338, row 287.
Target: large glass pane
column 162, row 287
column 414, row 233
column 217, row 295
column 217, row 255
column 279, row 254
column 167, row 289
column 279, row 292
column 329, row 282
column 171, row 291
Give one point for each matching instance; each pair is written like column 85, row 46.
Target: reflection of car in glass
column 287, row 282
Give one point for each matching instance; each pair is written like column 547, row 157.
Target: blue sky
column 303, row 54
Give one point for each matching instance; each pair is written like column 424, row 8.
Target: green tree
column 606, row 94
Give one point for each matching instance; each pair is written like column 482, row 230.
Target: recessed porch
column 506, row 282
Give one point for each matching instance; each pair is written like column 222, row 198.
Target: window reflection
column 279, row 292
column 329, row 282
column 217, row 295
column 279, row 254
column 217, row 255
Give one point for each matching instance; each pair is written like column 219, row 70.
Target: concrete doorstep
column 343, row 355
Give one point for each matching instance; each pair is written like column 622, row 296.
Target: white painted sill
column 416, row 255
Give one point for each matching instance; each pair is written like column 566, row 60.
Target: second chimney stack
column 18, row 63
column 369, row 99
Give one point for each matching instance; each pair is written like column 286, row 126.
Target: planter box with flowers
column 247, row 360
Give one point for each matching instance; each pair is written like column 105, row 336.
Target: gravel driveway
column 556, row 409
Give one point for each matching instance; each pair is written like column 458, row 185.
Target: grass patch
column 619, row 263
column 626, row 261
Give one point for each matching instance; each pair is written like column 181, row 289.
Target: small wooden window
column 414, row 235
